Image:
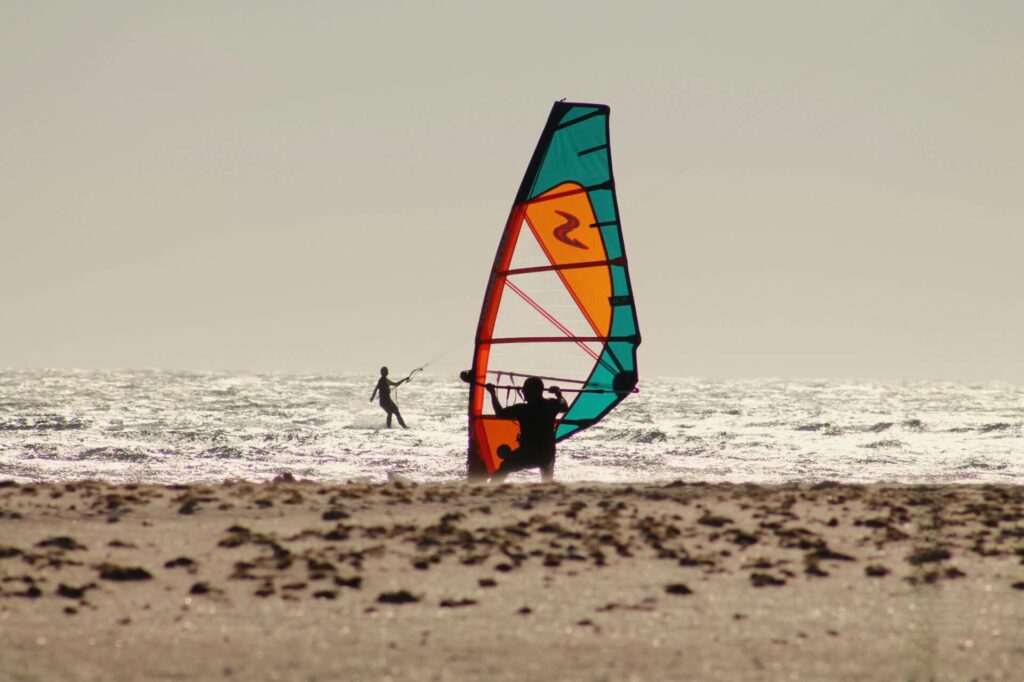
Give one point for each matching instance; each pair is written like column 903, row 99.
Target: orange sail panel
column 562, row 226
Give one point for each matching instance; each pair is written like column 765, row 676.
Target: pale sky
column 807, row 189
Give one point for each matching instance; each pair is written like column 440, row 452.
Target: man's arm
column 562, row 405
column 498, row 409
column 374, row 392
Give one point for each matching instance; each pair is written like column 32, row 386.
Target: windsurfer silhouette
column 536, row 419
column 384, row 388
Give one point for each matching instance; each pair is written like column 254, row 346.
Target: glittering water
column 188, row 427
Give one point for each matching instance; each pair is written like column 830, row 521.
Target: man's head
column 533, row 389
column 383, row 371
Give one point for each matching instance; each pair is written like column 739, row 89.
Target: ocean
column 190, row 427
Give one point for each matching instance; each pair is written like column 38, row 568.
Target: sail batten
column 564, row 266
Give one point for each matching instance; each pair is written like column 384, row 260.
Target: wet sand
column 305, row 581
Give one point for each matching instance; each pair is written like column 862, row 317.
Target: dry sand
column 305, row 581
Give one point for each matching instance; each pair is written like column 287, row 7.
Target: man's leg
column 507, row 467
column 547, row 472
column 392, row 411
column 514, row 461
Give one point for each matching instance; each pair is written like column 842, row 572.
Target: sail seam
column 607, row 184
column 584, row 117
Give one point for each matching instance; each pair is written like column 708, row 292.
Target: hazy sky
column 808, row 189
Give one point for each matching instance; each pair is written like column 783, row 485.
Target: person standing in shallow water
column 384, row 388
column 536, row 419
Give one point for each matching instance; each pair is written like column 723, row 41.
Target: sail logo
column 562, row 231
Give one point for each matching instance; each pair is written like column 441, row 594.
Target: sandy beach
column 298, row 580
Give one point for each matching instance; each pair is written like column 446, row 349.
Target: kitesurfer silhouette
column 384, row 388
column 536, row 419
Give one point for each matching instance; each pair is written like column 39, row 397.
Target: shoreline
column 303, row 580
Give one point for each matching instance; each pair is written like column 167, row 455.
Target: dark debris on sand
column 123, row 573
column 71, row 592
column 456, row 603
column 61, row 542
column 766, row 579
column 397, row 597
column 780, row 534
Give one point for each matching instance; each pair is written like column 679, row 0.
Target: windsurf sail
column 558, row 303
